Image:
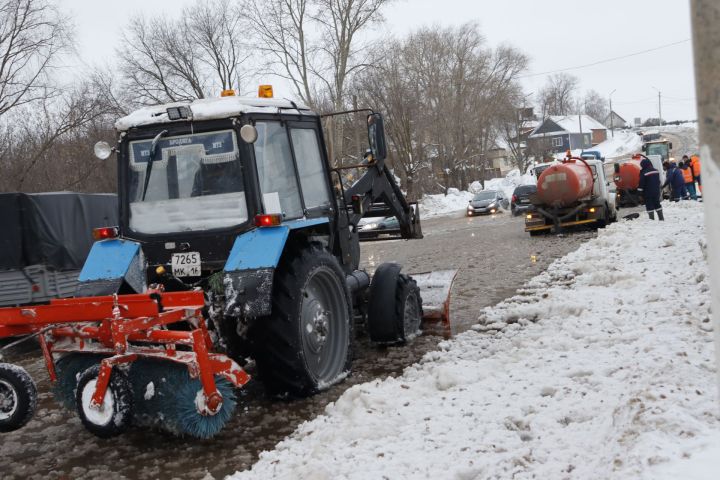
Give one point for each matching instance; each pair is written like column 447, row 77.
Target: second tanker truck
column 627, row 179
column 573, row 192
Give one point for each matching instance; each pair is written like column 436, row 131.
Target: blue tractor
column 234, row 198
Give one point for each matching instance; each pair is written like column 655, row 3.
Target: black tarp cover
column 54, row 229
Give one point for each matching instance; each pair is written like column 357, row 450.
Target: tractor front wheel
column 305, row 344
column 114, row 415
column 18, row 397
column 395, row 307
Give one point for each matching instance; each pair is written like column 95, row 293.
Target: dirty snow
column 600, row 367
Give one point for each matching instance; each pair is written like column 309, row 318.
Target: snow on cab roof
column 210, row 109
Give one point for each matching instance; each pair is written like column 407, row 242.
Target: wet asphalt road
column 494, row 257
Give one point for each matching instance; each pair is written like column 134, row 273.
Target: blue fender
column 249, row 269
column 109, row 263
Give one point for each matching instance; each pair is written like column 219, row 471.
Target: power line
column 606, row 60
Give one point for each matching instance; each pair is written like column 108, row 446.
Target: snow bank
column 601, row 367
column 438, row 205
column 456, row 200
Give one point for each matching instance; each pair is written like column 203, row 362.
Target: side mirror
column 644, row 148
column 376, row 136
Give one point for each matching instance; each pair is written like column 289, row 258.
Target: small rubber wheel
column 18, row 397
column 115, row 414
column 395, row 306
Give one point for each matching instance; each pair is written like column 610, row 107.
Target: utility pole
column 612, row 129
column 659, row 107
column 706, row 45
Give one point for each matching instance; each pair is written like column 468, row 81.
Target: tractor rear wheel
column 305, row 344
column 18, row 397
column 115, row 414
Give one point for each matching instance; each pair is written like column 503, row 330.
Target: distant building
column 615, row 121
column 570, row 132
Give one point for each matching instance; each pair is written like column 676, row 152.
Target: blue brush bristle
column 170, row 402
column 67, row 370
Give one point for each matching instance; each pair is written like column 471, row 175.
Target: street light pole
column 612, row 129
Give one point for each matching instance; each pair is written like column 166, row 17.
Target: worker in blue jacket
column 649, row 188
column 676, row 181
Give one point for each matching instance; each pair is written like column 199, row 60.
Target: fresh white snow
column 600, row 367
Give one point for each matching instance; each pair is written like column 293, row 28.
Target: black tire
column 117, row 409
column 305, row 345
column 395, row 306
column 18, row 397
column 536, row 233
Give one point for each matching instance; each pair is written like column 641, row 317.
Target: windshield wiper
column 153, row 149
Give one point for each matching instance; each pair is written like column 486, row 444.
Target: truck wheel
column 115, row 414
column 305, row 344
column 395, row 306
column 18, row 397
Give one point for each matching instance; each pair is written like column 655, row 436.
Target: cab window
column 276, row 172
column 310, row 167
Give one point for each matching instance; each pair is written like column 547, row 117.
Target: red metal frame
column 118, row 326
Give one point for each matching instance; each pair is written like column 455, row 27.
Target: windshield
column 525, row 189
column 195, row 183
column 489, row 195
column 657, row 149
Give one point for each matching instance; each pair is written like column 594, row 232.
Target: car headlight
column 492, row 205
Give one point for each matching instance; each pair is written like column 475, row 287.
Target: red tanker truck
column 572, row 192
column 627, row 179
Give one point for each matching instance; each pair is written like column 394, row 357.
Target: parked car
column 520, row 201
column 486, row 203
column 373, row 229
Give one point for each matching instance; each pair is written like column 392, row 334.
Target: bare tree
column 33, row 34
column 595, row 105
column 282, row 29
column 172, row 60
column 446, row 96
column 557, row 97
column 317, row 45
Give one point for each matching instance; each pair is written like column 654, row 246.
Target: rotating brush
column 164, row 397
column 68, row 368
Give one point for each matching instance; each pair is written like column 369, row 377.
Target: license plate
column 186, row 264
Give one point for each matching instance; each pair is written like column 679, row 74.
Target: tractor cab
column 662, row 147
column 193, row 176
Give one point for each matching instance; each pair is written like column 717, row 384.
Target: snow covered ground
column 600, row 367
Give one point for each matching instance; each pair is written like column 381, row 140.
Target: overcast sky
column 555, row 34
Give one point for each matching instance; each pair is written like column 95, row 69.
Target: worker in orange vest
column 695, row 165
column 689, row 178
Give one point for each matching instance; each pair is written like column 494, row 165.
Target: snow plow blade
column 435, row 290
